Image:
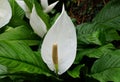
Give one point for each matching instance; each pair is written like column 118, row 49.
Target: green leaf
column 103, row 28
column 89, row 34
column 18, row 57
column 96, row 33
column 21, row 33
column 96, row 52
column 112, row 35
column 107, row 68
column 110, row 15
column 53, row 19
column 75, row 73
column 16, row 21
column 109, row 12
column 16, row 10
column 7, row 79
column 17, row 15
column 3, row 70
column 29, row 3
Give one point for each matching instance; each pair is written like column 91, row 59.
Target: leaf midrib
column 108, row 19
column 105, row 70
column 25, row 62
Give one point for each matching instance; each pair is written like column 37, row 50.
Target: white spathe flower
column 59, row 46
column 37, row 23
column 23, row 5
column 47, row 8
column 5, row 12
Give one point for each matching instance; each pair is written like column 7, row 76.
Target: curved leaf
column 23, row 5
column 17, row 57
column 29, row 3
column 75, row 73
column 109, row 12
column 110, row 15
column 3, row 70
column 107, row 68
column 96, row 52
column 17, row 15
column 20, row 33
column 96, row 33
column 89, row 33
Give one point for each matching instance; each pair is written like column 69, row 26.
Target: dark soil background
column 81, row 10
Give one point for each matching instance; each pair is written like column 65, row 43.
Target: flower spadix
column 47, row 8
column 59, row 45
column 5, row 12
column 37, row 23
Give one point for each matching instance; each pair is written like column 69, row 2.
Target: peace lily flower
column 58, row 49
column 47, row 8
column 5, row 12
column 44, row 4
column 37, row 23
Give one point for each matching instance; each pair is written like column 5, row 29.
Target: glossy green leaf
column 20, row 33
column 96, row 33
column 112, row 35
column 23, row 5
column 16, row 21
column 107, row 68
column 16, row 10
column 109, row 12
column 53, row 19
column 29, row 3
column 89, row 34
column 3, row 70
column 18, row 57
column 17, row 15
column 75, row 73
column 96, row 52
column 110, row 15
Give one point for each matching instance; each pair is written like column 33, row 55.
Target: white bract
column 44, row 4
column 37, row 23
column 5, row 12
column 47, row 8
column 23, row 5
column 59, row 46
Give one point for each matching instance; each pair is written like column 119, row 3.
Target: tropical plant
column 89, row 52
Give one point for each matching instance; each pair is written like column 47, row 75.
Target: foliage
column 98, row 53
